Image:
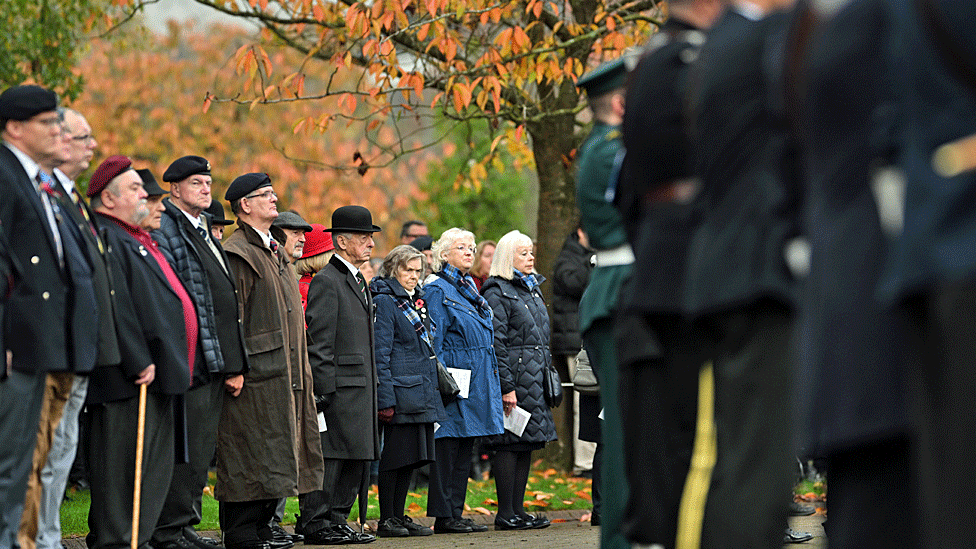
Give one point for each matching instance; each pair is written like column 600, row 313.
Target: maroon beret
column 107, row 171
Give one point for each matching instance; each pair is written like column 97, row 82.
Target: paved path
column 566, row 532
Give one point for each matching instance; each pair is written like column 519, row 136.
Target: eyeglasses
column 265, row 194
column 462, row 248
column 87, row 138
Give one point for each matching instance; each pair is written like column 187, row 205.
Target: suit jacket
column 108, row 344
column 340, row 334
column 149, row 317
column 939, row 232
column 36, row 309
column 749, row 207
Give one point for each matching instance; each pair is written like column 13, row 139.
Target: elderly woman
column 521, row 326
column 316, row 254
column 463, row 340
column 407, row 396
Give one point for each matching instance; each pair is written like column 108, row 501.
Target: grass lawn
column 547, row 490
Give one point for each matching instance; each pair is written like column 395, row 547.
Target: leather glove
column 322, row 401
column 385, row 415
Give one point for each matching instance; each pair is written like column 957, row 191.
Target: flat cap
column 24, row 102
column 317, row 241
column 184, row 167
column 216, row 210
column 149, row 183
column 245, row 185
column 291, row 220
column 107, row 171
column 604, row 79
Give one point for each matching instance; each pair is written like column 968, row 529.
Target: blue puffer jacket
column 464, row 340
column 406, row 368
column 522, row 347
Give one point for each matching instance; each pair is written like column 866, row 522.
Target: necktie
column 273, row 245
column 210, row 243
column 49, row 209
column 362, row 282
column 203, row 233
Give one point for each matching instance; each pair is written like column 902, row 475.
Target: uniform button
column 294, row 385
column 289, row 309
column 35, row 260
column 46, row 296
column 111, row 292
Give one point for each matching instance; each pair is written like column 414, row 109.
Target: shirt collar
column 748, row 10
column 68, row 184
column 352, row 268
column 196, row 221
column 27, row 162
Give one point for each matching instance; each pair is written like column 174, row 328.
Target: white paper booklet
column 517, row 420
column 463, row 379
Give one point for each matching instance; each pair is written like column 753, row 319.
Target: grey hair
column 443, row 245
column 503, row 260
column 398, row 258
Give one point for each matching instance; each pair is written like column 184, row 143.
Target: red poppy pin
column 419, row 303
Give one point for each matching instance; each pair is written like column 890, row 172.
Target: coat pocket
column 409, row 392
column 265, row 354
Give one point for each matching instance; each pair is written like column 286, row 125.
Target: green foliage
column 41, row 42
column 472, row 189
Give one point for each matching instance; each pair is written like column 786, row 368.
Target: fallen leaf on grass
column 208, row 490
column 585, row 495
column 414, row 507
column 549, row 472
column 558, row 520
column 560, row 480
column 414, row 495
column 586, row 517
column 536, row 503
column 490, row 501
column 542, row 495
column 568, row 502
column 482, row 510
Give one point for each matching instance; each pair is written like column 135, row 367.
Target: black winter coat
column 406, row 367
column 570, row 275
column 521, row 326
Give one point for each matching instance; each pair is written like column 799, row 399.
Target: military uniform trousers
column 182, row 508
column 111, row 462
column 21, row 396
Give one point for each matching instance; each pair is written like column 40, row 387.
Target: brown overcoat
column 268, row 440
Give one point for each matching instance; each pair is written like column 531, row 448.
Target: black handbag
column 446, row 384
column 552, row 386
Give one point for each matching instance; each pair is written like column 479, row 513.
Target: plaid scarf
column 409, row 308
column 465, row 284
column 530, row 281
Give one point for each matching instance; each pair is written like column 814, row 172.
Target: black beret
column 245, row 185
column 108, row 170
column 24, row 102
column 216, row 209
column 181, row 168
column 149, row 183
column 604, row 79
column 291, row 220
column 422, row 243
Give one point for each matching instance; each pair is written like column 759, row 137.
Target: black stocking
column 393, row 486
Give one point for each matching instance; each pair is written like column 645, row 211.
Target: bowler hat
column 353, row 219
column 24, row 102
column 317, row 241
column 291, row 220
column 149, row 183
column 107, row 171
column 216, row 210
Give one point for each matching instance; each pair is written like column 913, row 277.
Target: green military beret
column 604, row 79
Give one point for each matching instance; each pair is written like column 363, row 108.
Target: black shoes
column 474, row 527
column 792, row 536
column 280, row 534
column 514, row 523
column 537, row 522
column 391, row 528
column 594, row 518
column 353, row 536
column 451, row 526
column 340, row 534
column 178, row 543
column 252, row 544
column 414, row 528
column 801, row 510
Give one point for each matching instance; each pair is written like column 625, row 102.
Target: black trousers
column 658, row 401
column 111, row 465
column 331, row 505
column 183, row 506
column 244, row 521
column 21, row 396
column 942, row 389
column 753, row 472
column 449, row 477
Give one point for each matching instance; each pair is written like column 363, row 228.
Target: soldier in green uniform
column 603, row 225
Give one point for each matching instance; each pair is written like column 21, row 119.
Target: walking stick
column 137, row 488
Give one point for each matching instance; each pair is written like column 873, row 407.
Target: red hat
column 317, row 241
column 107, row 171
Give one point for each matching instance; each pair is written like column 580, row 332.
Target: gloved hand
column 386, row 414
column 322, row 401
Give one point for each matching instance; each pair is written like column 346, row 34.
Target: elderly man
column 52, row 301
column 154, row 202
column 266, row 444
column 292, row 228
column 412, row 230
column 340, row 331
column 157, row 328
column 217, row 220
column 64, row 397
column 184, row 238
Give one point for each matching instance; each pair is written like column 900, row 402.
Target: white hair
column 503, row 260
column 442, row 247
